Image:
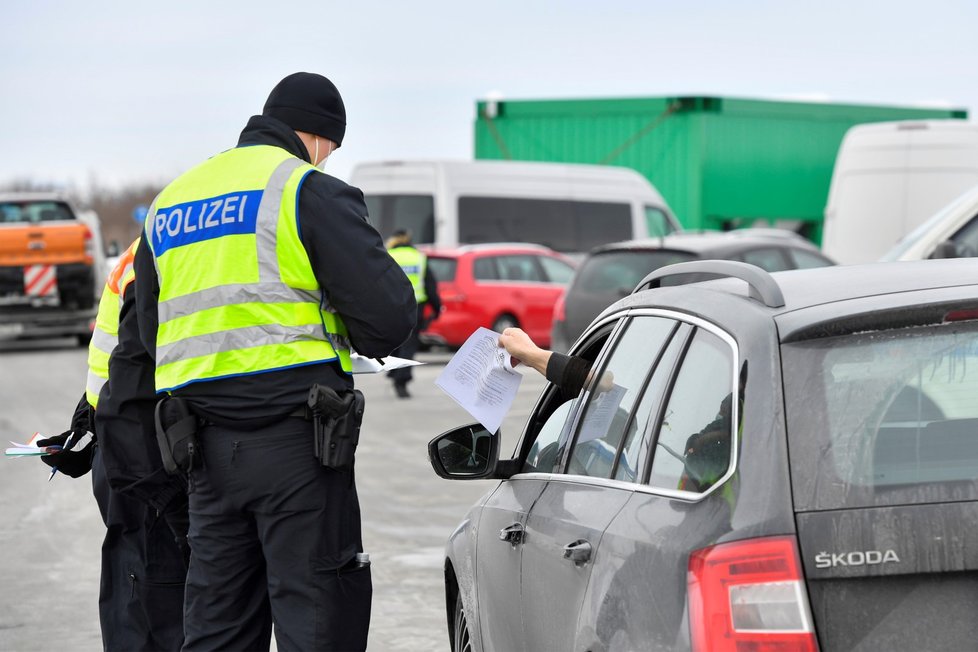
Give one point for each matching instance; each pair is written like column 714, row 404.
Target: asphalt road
column 50, row 532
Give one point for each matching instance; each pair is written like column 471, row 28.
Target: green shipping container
column 721, row 163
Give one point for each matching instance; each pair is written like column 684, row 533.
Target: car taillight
column 89, row 244
column 965, row 314
column 559, row 311
column 749, row 595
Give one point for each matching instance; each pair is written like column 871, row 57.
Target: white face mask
column 322, row 164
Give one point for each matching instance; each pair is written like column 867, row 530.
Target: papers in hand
column 481, row 379
column 30, row 448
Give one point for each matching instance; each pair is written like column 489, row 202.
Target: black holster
column 176, row 434
column 336, row 420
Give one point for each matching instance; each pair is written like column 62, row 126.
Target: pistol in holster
column 336, row 420
column 176, row 434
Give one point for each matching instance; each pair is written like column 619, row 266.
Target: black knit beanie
column 308, row 102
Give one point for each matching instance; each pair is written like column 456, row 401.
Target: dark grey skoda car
column 781, row 461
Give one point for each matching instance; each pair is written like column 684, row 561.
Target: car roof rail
column 762, row 285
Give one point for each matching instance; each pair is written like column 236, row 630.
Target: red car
column 495, row 286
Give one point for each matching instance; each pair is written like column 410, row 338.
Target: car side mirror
column 466, row 453
column 947, row 249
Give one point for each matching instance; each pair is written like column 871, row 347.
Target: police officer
column 415, row 266
column 144, row 553
column 259, row 275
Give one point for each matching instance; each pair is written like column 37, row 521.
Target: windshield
column 924, row 229
column 34, row 212
column 416, row 213
column 883, row 417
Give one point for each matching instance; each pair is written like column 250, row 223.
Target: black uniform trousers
column 274, row 537
column 143, row 573
column 408, row 350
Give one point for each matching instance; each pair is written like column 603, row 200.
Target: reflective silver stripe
column 103, row 341
column 224, row 295
column 266, row 227
column 94, row 383
column 236, row 340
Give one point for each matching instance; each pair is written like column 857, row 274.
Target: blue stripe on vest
column 411, row 269
column 231, row 214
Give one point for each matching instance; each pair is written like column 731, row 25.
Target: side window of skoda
column 610, row 416
column 692, row 451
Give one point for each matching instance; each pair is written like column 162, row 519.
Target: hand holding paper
column 481, row 379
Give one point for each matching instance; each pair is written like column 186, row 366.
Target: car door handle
column 578, row 552
column 513, row 534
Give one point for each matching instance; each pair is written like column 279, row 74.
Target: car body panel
column 498, row 589
column 566, row 513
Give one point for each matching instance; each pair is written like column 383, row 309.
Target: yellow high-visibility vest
column 106, row 333
column 237, row 293
column 413, row 262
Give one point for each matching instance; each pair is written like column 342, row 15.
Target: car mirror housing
column 466, row 453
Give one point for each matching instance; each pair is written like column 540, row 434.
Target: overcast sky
column 134, row 91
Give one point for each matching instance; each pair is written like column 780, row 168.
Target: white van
column 951, row 233
column 891, row 176
column 569, row 208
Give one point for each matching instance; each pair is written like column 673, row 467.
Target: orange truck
column 48, row 269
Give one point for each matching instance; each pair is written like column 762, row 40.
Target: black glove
column 75, row 458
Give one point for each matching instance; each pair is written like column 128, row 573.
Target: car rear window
column 34, row 212
column 883, row 417
column 623, row 269
column 442, row 268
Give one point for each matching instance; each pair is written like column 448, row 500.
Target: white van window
column 416, row 213
column 563, row 225
column 657, row 223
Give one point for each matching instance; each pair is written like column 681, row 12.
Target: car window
column 617, row 270
column 607, row 415
column 443, row 269
column 484, row 269
column 518, row 268
column 34, row 212
column 966, row 239
column 415, row 213
column 556, row 270
column 547, row 429
column 770, row 259
column 562, row 225
column 635, row 451
column 656, row 222
column 692, row 449
column 884, row 417
column 805, row 259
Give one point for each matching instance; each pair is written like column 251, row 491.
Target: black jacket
column 360, row 279
column 124, row 419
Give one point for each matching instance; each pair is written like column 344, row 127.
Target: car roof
column 488, row 247
column 31, row 196
column 827, row 300
column 705, row 243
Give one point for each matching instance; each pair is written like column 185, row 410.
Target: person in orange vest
column 144, row 552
